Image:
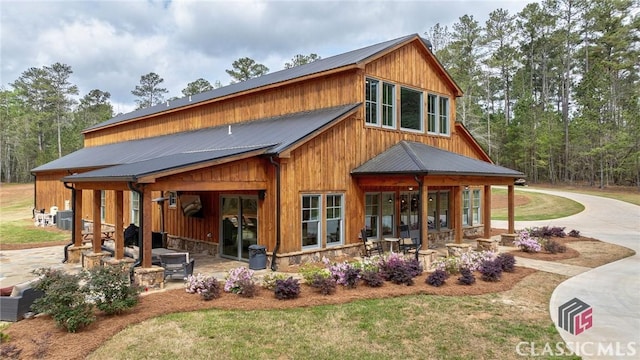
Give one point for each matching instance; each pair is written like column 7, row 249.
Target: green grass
column 20, row 232
column 409, row 327
column 630, row 196
column 539, row 207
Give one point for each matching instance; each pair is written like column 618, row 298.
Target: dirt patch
column 12, row 196
column 62, row 345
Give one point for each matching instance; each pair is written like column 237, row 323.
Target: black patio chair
column 370, row 247
column 407, row 242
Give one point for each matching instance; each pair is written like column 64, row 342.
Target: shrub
column 64, row 299
column 470, row 260
column 287, row 289
column 574, row 233
column 547, row 232
column 325, row 285
column 111, row 289
column 371, row 278
column 507, row 262
column 248, row 288
column 399, row 270
column 437, row 278
column 554, row 247
column 491, row 270
column 201, row 283
column 527, row 243
column 10, row 351
column 467, row 277
column 234, row 278
column 309, row 272
column 344, row 273
column 269, row 280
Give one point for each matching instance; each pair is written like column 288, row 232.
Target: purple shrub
column 574, row 233
column 371, row 278
column 491, row 270
column 507, row 262
column 437, row 278
column 466, row 277
column 554, row 247
column 399, row 270
column 287, row 289
column 325, row 285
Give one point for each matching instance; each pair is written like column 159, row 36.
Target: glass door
column 239, row 226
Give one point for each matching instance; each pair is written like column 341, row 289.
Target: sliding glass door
column 239, row 226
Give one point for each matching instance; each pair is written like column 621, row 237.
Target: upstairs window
column 410, row 109
column 380, row 99
column 437, row 114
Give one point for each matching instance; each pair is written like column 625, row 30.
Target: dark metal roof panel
column 418, row 158
column 318, row 66
column 276, row 134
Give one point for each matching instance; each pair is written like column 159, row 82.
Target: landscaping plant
column 437, row 278
column 111, row 289
column 398, row 269
column 527, row 243
column 287, row 289
column 554, row 247
column 269, row 280
column 248, row 288
column 491, row 270
column 371, row 278
column 207, row 286
column 546, row 232
column 344, row 273
column 467, row 277
column 324, row 284
column 233, row 279
column 507, row 262
column 469, row 260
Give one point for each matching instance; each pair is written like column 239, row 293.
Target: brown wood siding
column 50, row 191
column 327, row 91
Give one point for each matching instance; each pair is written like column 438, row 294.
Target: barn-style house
column 297, row 161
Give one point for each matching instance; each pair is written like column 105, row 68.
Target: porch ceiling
column 414, row 158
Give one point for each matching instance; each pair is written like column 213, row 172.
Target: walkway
column 613, row 290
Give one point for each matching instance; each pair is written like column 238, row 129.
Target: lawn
column 533, row 206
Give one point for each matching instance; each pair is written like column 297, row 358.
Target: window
column 335, row 220
column 379, row 214
column 135, row 208
column 380, row 103
column 410, row 109
column 103, row 207
column 443, row 204
column 437, row 114
column 409, row 206
column 466, row 206
column 173, row 199
column 438, row 210
column 476, row 207
column 310, row 221
column 371, row 101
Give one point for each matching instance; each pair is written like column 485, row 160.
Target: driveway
column 611, row 291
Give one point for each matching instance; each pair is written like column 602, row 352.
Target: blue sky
column 111, row 43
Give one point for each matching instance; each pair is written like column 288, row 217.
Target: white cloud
column 111, row 44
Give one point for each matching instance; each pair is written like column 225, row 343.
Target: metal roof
column 271, row 135
column 318, row 66
column 407, row 157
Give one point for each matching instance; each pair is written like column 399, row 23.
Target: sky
column 110, row 44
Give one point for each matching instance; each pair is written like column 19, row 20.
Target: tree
column 61, row 90
column 245, row 69
column 439, row 36
column 197, row 87
column 94, row 108
column 149, row 92
column 301, row 60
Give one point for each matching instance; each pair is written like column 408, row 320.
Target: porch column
column 457, row 214
column 118, row 236
column 424, row 217
column 511, row 209
column 77, row 218
column 486, row 212
column 147, row 224
column 97, row 223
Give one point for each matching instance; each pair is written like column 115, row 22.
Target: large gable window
column 410, row 109
column 380, row 103
column 437, row 114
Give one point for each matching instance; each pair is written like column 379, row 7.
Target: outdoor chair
column 19, row 301
column 176, row 264
column 370, row 247
column 407, row 241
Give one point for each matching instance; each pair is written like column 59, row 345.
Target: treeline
column 552, row 91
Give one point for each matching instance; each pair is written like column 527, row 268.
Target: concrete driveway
column 611, row 292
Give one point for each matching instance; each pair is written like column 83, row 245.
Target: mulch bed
column 547, row 256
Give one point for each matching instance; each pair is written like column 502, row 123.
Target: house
column 297, row 161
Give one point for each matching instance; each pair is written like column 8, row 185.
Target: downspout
column 73, row 220
column 417, row 179
column 274, row 266
column 140, row 227
column 35, row 196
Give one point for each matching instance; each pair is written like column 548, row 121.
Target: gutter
column 73, row 222
column 274, row 266
column 140, row 227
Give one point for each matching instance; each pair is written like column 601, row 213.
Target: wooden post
column 118, row 236
column 77, row 218
column 147, row 223
column 97, row 223
column 486, row 211
column 424, row 217
column 511, row 209
column 457, row 213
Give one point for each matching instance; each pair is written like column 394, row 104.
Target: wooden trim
column 178, row 185
column 118, row 236
column 97, row 223
column 511, row 209
column 486, row 212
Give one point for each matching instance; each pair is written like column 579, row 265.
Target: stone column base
column 457, row 249
column 149, row 278
column 74, row 253
column 91, row 259
column 425, row 257
column 487, row 245
column 110, row 261
column 508, row 239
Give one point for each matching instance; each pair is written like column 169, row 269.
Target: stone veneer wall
column 304, row 257
column 192, row 245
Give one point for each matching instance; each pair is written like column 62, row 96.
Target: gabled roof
column 129, row 160
column 347, row 59
column 407, row 157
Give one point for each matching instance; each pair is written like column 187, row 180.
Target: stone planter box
column 457, row 249
column 508, row 239
column 486, row 245
column 425, row 257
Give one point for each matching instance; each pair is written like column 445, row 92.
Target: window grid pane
column 410, row 109
column 334, row 219
column 444, row 115
column 310, row 220
column 371, row 101
column 388, row 92
column 432, row 101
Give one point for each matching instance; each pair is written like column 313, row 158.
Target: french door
column 239, row 226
